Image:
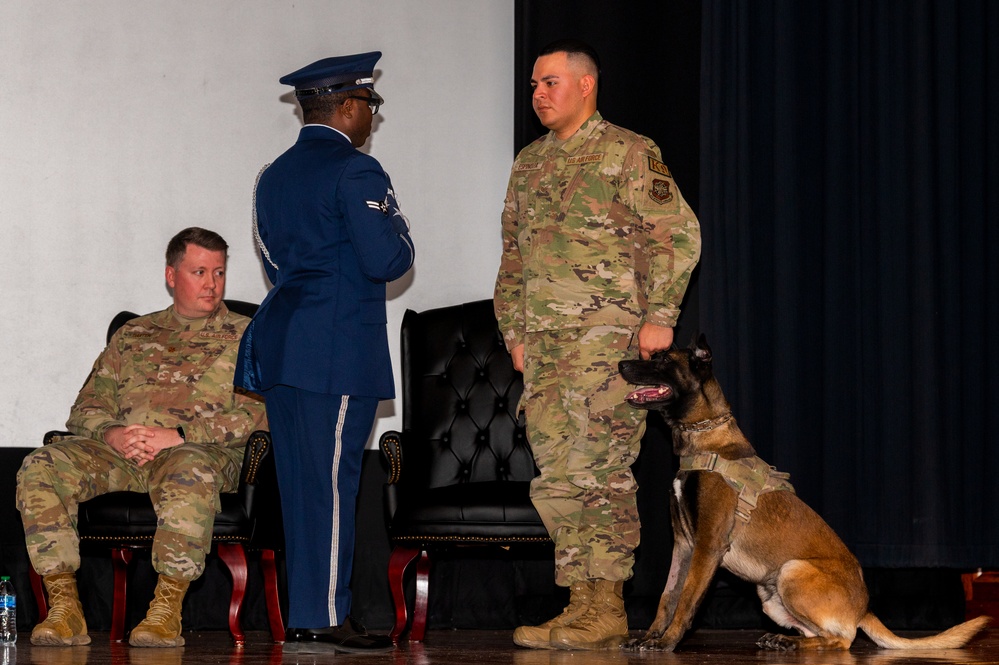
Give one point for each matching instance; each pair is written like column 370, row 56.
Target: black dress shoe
column 348, row 637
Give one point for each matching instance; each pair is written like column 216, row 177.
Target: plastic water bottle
column 8, row 612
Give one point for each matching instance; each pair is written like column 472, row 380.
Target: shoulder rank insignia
column 381, row 206
column 659, row 167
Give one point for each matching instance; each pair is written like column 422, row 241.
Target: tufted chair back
column 460, row 471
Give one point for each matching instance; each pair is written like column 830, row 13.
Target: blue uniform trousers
column 319, row 444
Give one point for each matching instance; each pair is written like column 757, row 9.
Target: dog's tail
column 952, row 638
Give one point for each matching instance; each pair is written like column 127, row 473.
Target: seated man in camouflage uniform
column 158, row 414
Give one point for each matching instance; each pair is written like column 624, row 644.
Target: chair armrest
column 258, row 492
column 390, row 444
column 54, row 435
column 258, row 447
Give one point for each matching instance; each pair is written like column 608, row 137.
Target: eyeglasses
column 373, row 102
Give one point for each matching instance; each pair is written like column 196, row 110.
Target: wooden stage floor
column 722, row 647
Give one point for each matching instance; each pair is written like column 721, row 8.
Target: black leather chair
column 460, row 471
column 250, row 520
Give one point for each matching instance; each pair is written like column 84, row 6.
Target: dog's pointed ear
column 701, row 349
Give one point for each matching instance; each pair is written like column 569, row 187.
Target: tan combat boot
column 161, row 627
column 539, row 637
column 604, row 625
column 64, row 626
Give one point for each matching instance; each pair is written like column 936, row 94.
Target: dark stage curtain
column 849, row 168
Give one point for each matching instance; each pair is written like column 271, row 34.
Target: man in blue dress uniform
column 331, row 235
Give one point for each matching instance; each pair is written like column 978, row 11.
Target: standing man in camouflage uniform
column 598, row 248
column 158, row 414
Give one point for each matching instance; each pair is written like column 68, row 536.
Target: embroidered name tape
column 527, row 166
column 229, row 337
column 585, row 159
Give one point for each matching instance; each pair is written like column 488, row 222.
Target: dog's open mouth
column 649, row 395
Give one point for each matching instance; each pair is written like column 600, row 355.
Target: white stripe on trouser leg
column 335, row 540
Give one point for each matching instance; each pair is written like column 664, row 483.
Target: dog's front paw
column 776, row 642
column 648, row 643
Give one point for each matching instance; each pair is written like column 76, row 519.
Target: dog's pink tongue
column 650, row 394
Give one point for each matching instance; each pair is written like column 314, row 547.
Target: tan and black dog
column 731, row 509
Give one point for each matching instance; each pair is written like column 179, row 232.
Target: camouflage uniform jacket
column 595, row 232
column 159, row 370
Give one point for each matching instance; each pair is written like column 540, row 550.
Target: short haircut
column 577, row 50
column 322, row 107
column 194, row 235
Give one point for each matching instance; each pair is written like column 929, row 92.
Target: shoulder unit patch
column 660, row 191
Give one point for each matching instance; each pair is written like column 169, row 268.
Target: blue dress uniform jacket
column 328, row 218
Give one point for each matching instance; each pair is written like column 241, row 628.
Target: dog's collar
column 704, row 425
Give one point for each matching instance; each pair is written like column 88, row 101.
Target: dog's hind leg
column 817, row 604
column 774, row 608
column 808, row 639
column 776, row 642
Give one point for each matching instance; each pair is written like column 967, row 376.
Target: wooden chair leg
column 398, row 562
column 120, row 558
column 422, row 596
column 968, row 581
column 234, row 557
column 119, row 653
column 271, row 595
column 38, row 591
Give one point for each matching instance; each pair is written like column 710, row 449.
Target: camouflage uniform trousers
column 183, row 482
column 584, row 437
